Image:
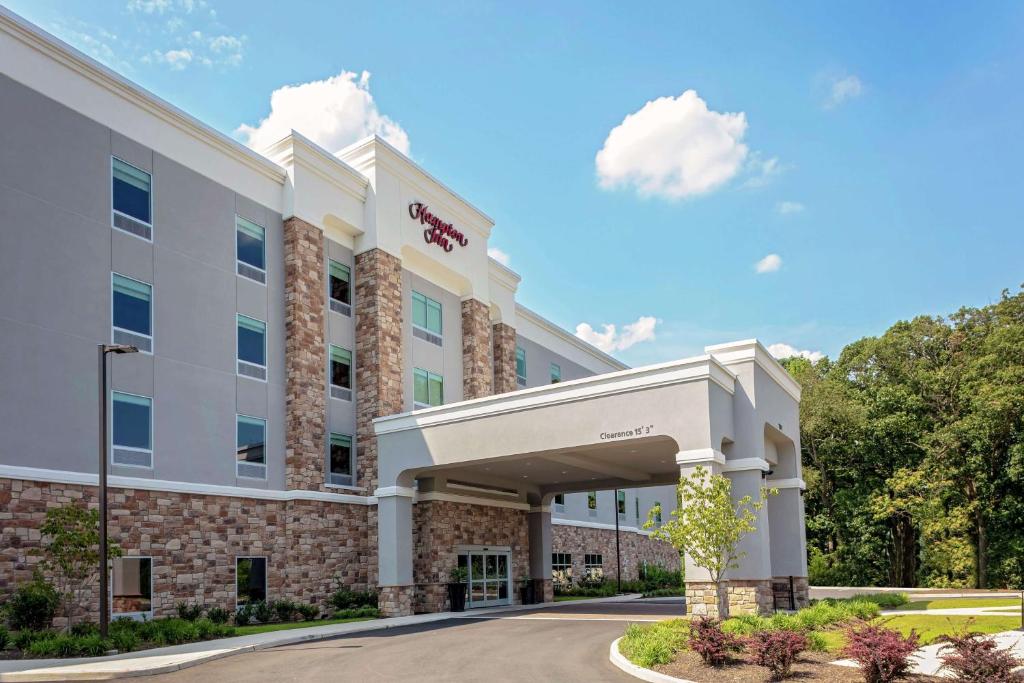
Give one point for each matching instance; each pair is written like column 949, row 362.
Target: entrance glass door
column 489, row 580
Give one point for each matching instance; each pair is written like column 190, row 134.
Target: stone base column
column 504, row 358
column 477, row 376
column 543, row 590
column 800, row 588
column 743, row 597
column 395, row 601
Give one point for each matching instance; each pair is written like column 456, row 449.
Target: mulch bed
column 810, row 666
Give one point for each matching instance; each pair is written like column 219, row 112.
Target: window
column 132, row 312
column 131, row 196
column 657, row 514
column 132, row 430
column 131, row 586
column 556, row 373
column 250, row 250
column 592, row 503
column 341, row 373
column 428, row 389
column 341, row 461
column 560, row 502
column 593, row 566
column 339, row 287
column 561, row 568
column 426, row 318
column 250, row 443
column 252, row 348
column 620, row 502
column 521, row 366
column 250, row 580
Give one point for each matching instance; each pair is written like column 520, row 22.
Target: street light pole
column 102, row 351
column 618, row 562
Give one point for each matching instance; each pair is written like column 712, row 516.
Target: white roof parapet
column 598, row 360
column 749, row 350
column 697, row 368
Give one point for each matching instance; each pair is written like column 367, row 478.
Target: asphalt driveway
column 564, row 643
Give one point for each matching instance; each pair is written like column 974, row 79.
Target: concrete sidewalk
column 166, row 659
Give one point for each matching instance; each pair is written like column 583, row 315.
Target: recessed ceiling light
column 564, row 472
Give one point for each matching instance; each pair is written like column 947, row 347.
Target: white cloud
column 673, row 147
column 786, row 351
column 769, row 264
column 498, row 255
column 176, row 59
column 612, row 340
column 787, row 207
column 843, row 89
column 333, row 113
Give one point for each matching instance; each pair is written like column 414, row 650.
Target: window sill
column 346, row 487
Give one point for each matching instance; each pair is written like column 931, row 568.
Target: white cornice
column 792, row 483
column 751, row 350
column 574, row 342
column 88, row 68
column 297, row 149
column 743, row 464
column 698, row 456
column 470, row 500
column 368, row 152
column 697, row 369
column 503, row 275
column 86, row 479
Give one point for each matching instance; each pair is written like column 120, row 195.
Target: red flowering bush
column 712, row 643
column 883, row 654
column 776, row 650
column 977, row 659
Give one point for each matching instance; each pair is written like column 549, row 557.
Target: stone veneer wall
column 305, row 391
column 194, row 539
column 745, row 597
column 504, row 356
column 634, row 548
column 801, row 591
column 439, row 526
column 477, row 375
column 379, row 361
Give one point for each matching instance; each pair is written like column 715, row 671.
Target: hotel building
column 336, row 386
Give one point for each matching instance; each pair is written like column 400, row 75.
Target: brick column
column 477, row 376
column 504, row 358
column 378, row 358
column 304, row 356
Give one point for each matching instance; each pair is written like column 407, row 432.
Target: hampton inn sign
column 440, row 233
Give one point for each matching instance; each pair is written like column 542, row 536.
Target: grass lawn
column 931, row 626
column 957, row 603
column 266, row 628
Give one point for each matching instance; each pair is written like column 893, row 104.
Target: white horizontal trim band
column 698, row 456
column 599, row 525
column 87, row 479
column 741, row 464
column 792, row 483
column 469, row 500
column 388, row 491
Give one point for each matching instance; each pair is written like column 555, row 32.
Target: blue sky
column 873, row 148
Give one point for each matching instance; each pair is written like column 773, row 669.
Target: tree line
column 913, row 453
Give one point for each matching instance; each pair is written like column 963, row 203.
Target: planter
column 457, row 596
column 526, row 595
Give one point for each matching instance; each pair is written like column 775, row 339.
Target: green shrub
column 284, row 609
column 85, row 628
column 261, row 612
column 665, row 593
column 175, row 631
column 67, row 645
column 357, row 612
column 24, row 639
column 816, row 642
column 32, row 605
column 243, row 617
column 188, row 612
column 5, row 638
column 648, row 645
column 746, row 625
column 346, row 599
column 218, row 615
column 307, row 612
column 124, row 640
column 654, row 577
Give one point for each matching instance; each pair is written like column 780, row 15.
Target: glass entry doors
column 489, row 580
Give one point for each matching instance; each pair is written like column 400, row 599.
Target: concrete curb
column 152, row 662
column 619, row 660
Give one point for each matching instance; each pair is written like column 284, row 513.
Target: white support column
column 394, row 534
column 789, row 537
column 540, row 553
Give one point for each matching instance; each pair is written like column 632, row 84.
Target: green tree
column 708, row 526
column 71, row 554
